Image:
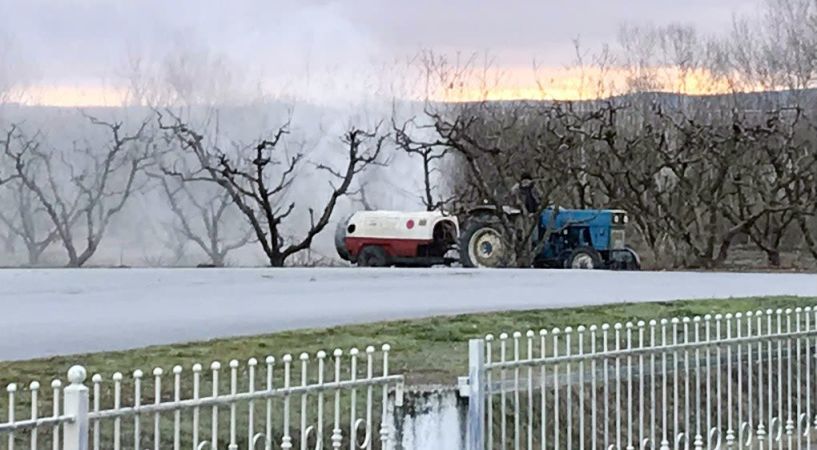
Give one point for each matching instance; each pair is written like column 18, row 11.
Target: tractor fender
column 491, row 210
column 635, row 256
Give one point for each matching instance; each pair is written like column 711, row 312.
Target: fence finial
column 77, row 374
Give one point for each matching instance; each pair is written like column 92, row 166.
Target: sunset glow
column 507, row 84
column 74, row 96
column 583, row 84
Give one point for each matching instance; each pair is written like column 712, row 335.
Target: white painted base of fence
column 432, row 420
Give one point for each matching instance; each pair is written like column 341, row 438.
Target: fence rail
column 741, row 381
column 736, row 381
column 342, row 400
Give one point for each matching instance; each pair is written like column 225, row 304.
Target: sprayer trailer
column 397, row 238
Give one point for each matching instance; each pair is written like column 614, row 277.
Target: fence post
column 476, row 394
column 75, row 433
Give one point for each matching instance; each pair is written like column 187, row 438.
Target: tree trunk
column 34, row 256
column 811, row 243
column 8, row 245
column 276, row 260
column 773, row 257
column 217, row 260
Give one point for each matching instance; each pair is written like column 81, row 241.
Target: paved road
column 47, row 312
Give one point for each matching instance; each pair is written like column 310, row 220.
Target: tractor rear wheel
column 584, row 258
column 482, row 244
column 372, row 256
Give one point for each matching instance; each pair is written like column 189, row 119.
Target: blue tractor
column 576, row 238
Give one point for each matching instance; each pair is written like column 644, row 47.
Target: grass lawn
column 427, row 351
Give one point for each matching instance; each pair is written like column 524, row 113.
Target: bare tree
column 431, row 155
column 27, row 221
column 82, row 191
column 498, row 145
column 201, row 216
column 361, row 196
column 806, row 223
column 259, row 190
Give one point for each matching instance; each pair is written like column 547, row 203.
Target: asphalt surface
column 63, row 311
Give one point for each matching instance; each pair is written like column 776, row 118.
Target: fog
column 143, row 233
column 238, row 71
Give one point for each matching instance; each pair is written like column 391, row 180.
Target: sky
column 74, row 51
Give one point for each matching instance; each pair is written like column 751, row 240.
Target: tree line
column 221, row 199
column 707, row 141
column 696, row 180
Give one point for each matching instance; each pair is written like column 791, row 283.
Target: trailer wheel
column 482, row 244
column 584, row 258
column 372, row 256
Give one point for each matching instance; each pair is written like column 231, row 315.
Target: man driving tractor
column 526, row 190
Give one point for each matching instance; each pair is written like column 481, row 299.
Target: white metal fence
column 326, row 401
column 742, row 381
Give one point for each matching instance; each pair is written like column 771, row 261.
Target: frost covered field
column 48, row 312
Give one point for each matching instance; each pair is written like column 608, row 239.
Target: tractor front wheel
column 584, row 258
column 372, row 256
column 482, row 244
